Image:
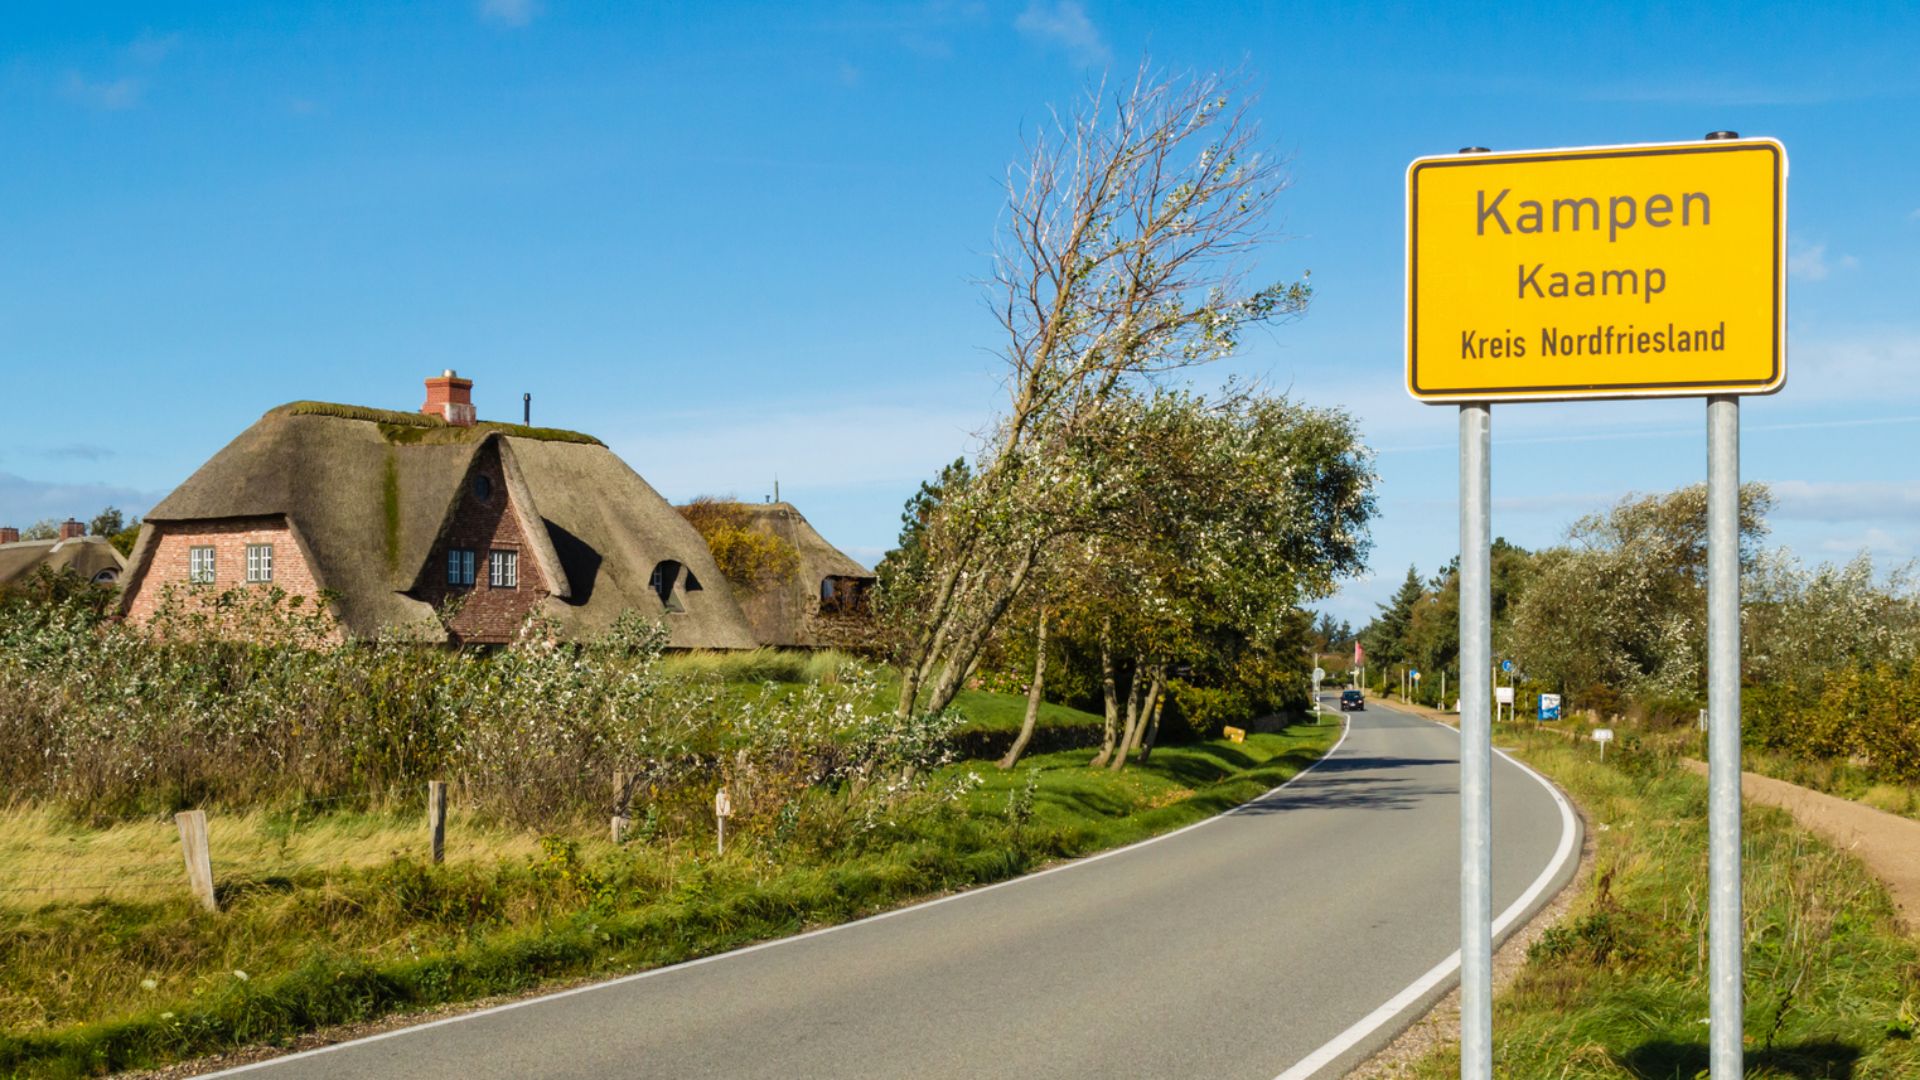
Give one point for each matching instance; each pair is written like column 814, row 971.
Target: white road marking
column 1307, row 1066
column 1346, row 729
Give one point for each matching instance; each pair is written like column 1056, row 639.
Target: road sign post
column 1725, row 934
column 1598, row 272
column 1476, row 741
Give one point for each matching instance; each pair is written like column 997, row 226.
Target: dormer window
column 843, row 595
column 503, row 569
column 665, row 579
column 482, row 488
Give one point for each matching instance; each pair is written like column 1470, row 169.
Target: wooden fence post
column 193, row 845
column 437, row 818
column 621, row 781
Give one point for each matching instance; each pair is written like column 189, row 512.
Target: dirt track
column 1888, row 844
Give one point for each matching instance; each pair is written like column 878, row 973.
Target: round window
column 482, row 488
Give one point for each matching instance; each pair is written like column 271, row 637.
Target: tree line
column 1613, row 618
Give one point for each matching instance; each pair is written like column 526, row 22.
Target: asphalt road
column 1238, row 948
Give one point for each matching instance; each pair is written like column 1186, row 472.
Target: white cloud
column 1064, row 23
column 1882, row 362
column 1568, row 506
column 868, row 557
column 77, row 452
column 1874, row 541
column 1843, row 500
column 24, row 501
column 1811, row 264
column 117, row 94
column 835, row 447
column 509, row 12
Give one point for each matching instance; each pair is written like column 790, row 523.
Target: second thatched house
column 91, row 557
column 435, row 526
column 824, row 603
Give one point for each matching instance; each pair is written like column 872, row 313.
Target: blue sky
column 737, row 241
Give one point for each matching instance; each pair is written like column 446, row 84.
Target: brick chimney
column 70, row 529
column 9, row 535
column 450, row 397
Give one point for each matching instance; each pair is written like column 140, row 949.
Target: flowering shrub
column 249, row 696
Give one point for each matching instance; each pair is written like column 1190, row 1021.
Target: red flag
column 1359, row 655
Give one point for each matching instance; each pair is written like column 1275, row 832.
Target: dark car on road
column 1352, row 699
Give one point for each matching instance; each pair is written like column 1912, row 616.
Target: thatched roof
column 87, row 556
column 787, row 614
column 368, row 493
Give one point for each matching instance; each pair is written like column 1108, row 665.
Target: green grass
column 752, row 667
column 1617, row 988
column 1004, row 713
column 116, row 983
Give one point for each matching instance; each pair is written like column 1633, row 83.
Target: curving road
column 1289, row 938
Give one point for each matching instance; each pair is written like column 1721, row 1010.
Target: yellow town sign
column 1623, row 271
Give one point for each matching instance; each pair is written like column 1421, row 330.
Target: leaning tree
column 1124, row 254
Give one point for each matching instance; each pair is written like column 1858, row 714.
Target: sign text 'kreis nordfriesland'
column 1623, row 271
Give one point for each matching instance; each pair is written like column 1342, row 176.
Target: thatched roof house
column 393, row 514
column 91, row 557
column 824, row 604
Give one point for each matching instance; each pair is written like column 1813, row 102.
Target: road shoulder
column 1439, row 1024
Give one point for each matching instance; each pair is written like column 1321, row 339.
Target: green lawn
column 1617, row 988
column 1004, row 712
column 88, row 987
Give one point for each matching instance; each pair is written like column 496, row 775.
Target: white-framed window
column 200, row 565
column 460, row 562
column 503, row 569
column 259, row 562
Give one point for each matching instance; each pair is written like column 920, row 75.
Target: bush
column 247, row 697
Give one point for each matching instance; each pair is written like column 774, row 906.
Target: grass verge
column 1618, row 989
column 87, row 988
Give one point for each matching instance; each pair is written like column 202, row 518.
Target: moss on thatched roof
column 415, row 427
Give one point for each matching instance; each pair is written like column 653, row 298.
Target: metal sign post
column 1726, row 1011
column 1641, row 271
column 1476, row 741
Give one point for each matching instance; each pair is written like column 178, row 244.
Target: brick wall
column 487, row 615
column 229, row 540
